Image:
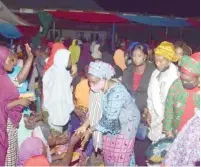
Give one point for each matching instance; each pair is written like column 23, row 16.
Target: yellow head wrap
column 167, row 50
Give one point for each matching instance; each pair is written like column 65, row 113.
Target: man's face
column 161, row 63
column 188, row 81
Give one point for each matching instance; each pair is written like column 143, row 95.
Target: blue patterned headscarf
column 101, row 69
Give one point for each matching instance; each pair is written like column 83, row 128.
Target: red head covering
column 37, row 161
column 196, row 56
column 55, row 48
column 190, row 64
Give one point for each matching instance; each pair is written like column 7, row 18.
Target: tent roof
column 53, row 4
column 8, row 16
column 92, row 17
column 157, row 21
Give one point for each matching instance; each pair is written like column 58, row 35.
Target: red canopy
column 92, row 17
column 194, row 22
column 27, row 31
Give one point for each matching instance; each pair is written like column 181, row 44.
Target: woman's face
column 92, row 80
column 139, row 57
column 10, row 62
column 161, row 63
column 179, row 52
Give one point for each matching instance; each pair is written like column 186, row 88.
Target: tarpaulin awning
column 28, row 31
column 92, row 17
column 194, row 22
column 10, row 31
column 12, row 26
column 157, row 21
column 8, row 16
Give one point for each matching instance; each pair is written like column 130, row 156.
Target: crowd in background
column 136, row 105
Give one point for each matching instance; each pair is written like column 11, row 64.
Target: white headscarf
column 92, row 46
column 101, row 69
column 96, row 54
column 58, row 99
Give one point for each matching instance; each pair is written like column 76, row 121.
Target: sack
column 156, row 152
column 142, row 132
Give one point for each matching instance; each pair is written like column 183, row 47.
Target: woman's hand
column 60, row 140
column 28, row 51
column 24, row 102
column 81, row 130
column 75, row 138
column 148, row 120
column 86, row 138
column 80, row 113
column 147, row 116
column 169, row 134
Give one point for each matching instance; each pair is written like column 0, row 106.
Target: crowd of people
column 68, row 103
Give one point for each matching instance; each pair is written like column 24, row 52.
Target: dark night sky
column 180, row 8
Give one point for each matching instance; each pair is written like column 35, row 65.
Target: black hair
column 142, row 47
column 179, row 44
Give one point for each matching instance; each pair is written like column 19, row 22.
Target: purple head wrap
column 31, row 147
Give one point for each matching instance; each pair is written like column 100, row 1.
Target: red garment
column 136, row 80
column 37, row 161
column 55, row 48
column 189, row 110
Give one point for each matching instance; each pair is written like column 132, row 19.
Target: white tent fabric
column 7, row 16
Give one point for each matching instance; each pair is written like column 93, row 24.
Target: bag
column 142, row 132
column 156, row 152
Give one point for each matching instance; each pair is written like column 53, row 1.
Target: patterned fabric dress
column 119, row 125
column 12, row 152
column 176, row 104
column 185, row 151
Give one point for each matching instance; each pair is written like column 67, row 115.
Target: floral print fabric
column 185, row 150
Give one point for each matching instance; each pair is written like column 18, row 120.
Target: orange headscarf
column 37, row 161
column 119, row 59
column 55, row 48
column 82, row 93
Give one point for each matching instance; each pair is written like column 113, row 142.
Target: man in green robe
column 184, row 95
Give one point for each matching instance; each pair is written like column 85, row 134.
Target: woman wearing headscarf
column 31, row 147
column 96, row 54
column 22, row 86
column 119, row 57
column 120, row 118
column 75, row 52
column 33, row 153
column 43, row 132
column 161, row 80
column 54, row 48
column 85, row 57
column 10, row 105
column 58, row 99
